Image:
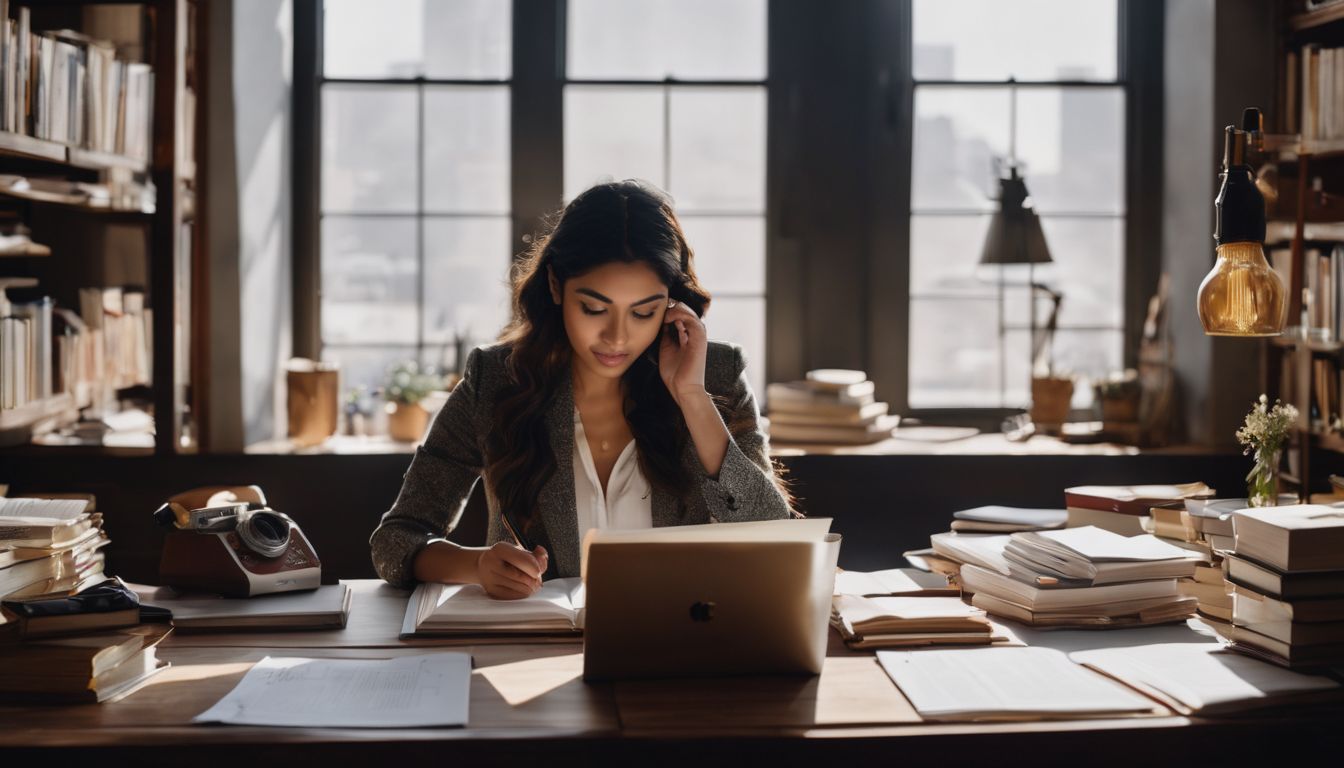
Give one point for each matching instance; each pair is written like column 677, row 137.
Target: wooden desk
column 528, row 701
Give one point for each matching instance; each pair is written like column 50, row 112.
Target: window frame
column 814, row 319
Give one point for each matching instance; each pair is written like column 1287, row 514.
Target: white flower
column 1266, row 428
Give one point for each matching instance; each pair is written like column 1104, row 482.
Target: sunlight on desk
column 188, row 672
column 522, row 681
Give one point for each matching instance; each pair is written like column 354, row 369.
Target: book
column 1091, row 555
column 1020, row 518
column 1302, row 537
column 839, row 415
column 447, row 609
column 977, row 579
column 985, row 550
column 107, row 605
column 327, row 607
column 1284, row 654
column 894, row 582
column 1266, row 608
column 1204, row 679
column 802, row 395
column 84, row 668
column 878, row 430
column 1123, row 523
column 1134, row 500
column 977, row 684
column 1135, row 613
column 883, row 622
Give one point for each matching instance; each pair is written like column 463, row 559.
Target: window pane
column 1088, row 271
column 368, row 366
column 363, row 39
column 945, row 256
column 368, row 148
column 1072, row 146
column 718, row 149
column 462, row 39
column 466, row 279
column 1025, row 39
column 1087, row 355
column 370, row 283
column 612, row 133
column 729, row 252
column 468, row 39
column 959, row 134
column 742, row 322
column 656, row 39
column 954, row 353
column 467, row 149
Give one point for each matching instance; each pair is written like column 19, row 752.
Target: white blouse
column 627, row 502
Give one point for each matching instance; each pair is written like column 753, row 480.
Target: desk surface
column 531, row 696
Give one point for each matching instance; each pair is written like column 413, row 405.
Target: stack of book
column 1204, row 527
column 904, row 607
column 1075, row 577
column 995, row 519
column 49, row 546
column 1287, row 571
column 830, row 406
column 1124, row 509
column 66, row 87
column 903, row 622
column 80, row 668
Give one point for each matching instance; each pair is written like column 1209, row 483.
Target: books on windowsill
column 829, row 406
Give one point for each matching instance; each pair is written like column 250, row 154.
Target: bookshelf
column 112, row 205
column 1305, row 235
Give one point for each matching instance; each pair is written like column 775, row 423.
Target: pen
column 514, row 530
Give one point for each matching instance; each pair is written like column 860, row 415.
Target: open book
column 466, row 609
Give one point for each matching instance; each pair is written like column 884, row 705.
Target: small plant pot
column 1125, row 408
column 406, row 422
column 1050, row 400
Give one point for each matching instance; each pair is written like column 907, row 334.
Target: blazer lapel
column 556, row 500
column 663, row 505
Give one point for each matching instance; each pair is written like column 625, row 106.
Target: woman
column 603, row 405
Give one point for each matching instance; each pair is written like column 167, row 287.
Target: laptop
column 709, row 600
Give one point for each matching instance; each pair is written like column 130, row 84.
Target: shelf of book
column 28, row 414
column 32, row 148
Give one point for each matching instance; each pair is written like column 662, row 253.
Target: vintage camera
column 234, row 545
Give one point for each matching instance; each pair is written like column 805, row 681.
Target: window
column 415, row 195
column 1039, row 82
column 674, row 92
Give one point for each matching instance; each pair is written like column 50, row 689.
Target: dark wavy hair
column 625, row 221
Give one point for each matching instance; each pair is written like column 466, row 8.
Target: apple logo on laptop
column 702, row 611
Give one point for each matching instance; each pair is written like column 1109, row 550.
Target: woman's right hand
column 508, row 572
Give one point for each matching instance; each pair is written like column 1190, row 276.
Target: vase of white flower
column 1265, row 431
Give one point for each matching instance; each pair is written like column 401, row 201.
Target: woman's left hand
column 681, row 353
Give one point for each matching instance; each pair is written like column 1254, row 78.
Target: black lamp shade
column 1015, row 235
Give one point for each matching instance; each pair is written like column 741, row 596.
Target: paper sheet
column 1201, row 677
column 407, row 692
column 1003, row 683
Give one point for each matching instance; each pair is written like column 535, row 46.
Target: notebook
column 466, row 609
column 326, row 607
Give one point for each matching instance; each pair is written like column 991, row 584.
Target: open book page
column 42, row 509
column 1043, row 518
column 1005, row 683
column 463, row 607
column 896, row 581
column 985, row 551
column 1100, row 545
column 407, row 692
column 1202, row 678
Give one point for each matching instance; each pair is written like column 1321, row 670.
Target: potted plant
column 408, row 384
column 1118, row 397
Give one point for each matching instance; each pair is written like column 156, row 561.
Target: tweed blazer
column 445, row 469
